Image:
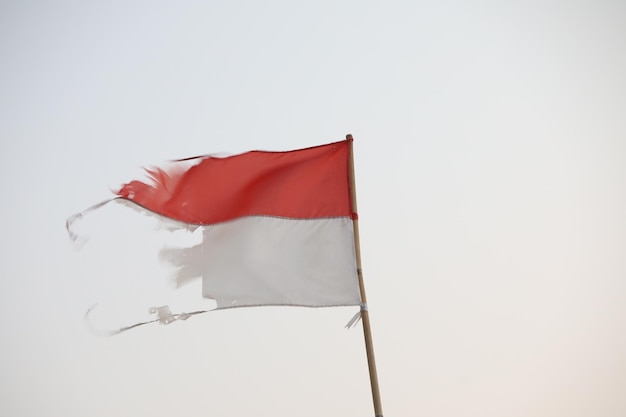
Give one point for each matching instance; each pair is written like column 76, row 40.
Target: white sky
column 490, row 145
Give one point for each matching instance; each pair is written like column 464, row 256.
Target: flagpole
column 367, row 329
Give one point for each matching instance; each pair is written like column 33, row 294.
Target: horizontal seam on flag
column 287, row 305
column 231, row 220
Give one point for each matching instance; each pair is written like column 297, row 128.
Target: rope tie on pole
column 356, row 318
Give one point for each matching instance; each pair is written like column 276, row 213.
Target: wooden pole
column 367, row 330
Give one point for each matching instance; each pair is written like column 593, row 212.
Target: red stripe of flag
column 301, row 184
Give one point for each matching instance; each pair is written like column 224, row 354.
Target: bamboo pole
column 367, row 330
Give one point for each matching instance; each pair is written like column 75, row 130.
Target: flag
column 277, row 227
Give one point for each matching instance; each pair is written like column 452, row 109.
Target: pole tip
column 349, row 136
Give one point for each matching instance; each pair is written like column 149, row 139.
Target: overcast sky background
column 490, row 150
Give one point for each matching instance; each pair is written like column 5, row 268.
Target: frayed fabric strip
column 163, row 316
column 164, row 222
column 69, row 223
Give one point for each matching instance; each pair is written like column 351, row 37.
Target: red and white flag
column 277, row 227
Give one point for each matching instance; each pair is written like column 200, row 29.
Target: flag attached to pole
column 277, row 227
